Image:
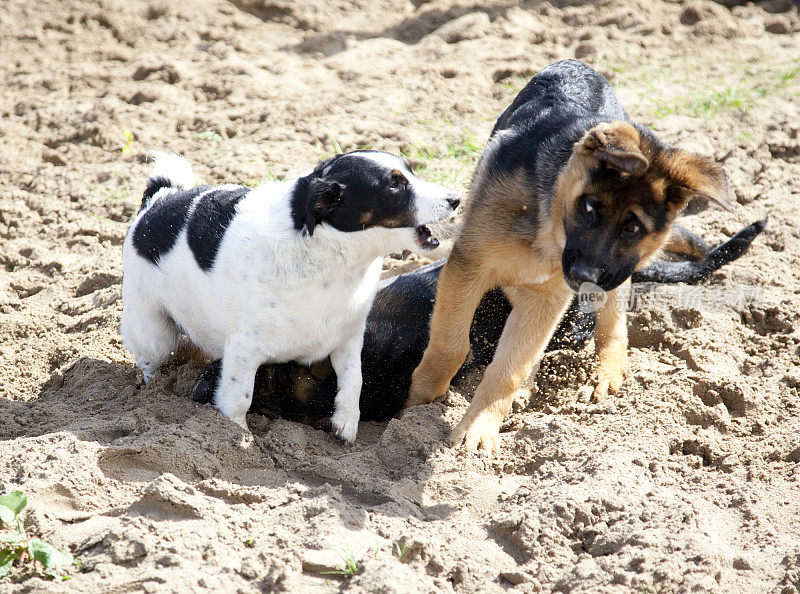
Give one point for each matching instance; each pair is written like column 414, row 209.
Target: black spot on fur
column 154, row 184
column 206, row 384
column 162, row 222
column 211, row 217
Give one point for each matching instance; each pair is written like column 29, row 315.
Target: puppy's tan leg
column 611, row 343
column 683, row 241
column 536, row 311
column 459, row 291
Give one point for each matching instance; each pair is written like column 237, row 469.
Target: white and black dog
column 282, row 272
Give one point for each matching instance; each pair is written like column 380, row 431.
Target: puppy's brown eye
column 632, row 228
column 587, row 206
column 398, row 180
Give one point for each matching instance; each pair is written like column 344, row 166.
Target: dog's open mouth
column 425, row 238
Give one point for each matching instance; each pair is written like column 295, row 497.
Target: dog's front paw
column 598, row 391
column 241, row 421
column 416, row 399
column 479, row 433
column 345, row 424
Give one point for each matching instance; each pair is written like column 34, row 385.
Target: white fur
column 172, row 167
column 274, row 294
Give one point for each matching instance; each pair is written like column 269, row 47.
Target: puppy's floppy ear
column 323, row 198
column 618, row 145
column 695, row 181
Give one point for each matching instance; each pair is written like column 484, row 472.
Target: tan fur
column 503, row 244
column 535, row 314
column 305, row 384
column 458, row 294
column 646, row 220
column 611, row 344
column 699, row 175
column 682, row 241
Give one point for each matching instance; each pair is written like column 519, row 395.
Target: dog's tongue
column 425, row 238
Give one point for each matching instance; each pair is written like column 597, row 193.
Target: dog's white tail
column 169, row 171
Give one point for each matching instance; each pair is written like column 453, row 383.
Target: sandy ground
column 687, row 481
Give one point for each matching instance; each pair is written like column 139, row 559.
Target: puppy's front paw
column 479, row 433
column 606, row 383
column 345, row 424
column 416, row 399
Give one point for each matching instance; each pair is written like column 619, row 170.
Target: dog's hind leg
column 149, row 333
column 536, row 311
column 685, row 242
column 458, row 294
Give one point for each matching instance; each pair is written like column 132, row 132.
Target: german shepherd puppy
column 568, row 191
column 397, row 334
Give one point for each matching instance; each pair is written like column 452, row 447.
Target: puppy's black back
column 568, row 87
column 545, row 120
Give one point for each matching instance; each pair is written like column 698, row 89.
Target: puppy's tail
column 169, row 171
column 691, row 272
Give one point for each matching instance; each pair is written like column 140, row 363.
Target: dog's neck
column 355, row 248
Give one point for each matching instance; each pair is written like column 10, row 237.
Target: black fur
column 548, row 117
column 160, row 225
column 211, row 217
column 397, row 334
column 154, row 184
column 662, row 271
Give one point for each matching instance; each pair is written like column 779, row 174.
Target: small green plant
column 350, row 568
column 467, row 149
column 269, row 177
column 17, row 547
column 128, row 141
column 209, row 136
column 400, row 549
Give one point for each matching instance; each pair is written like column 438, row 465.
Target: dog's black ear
column 323, row 198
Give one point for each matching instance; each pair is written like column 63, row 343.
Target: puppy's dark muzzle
column 577, row 272
column 581, row 272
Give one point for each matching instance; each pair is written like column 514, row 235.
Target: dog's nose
column 453, row 200
column 585, row 273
